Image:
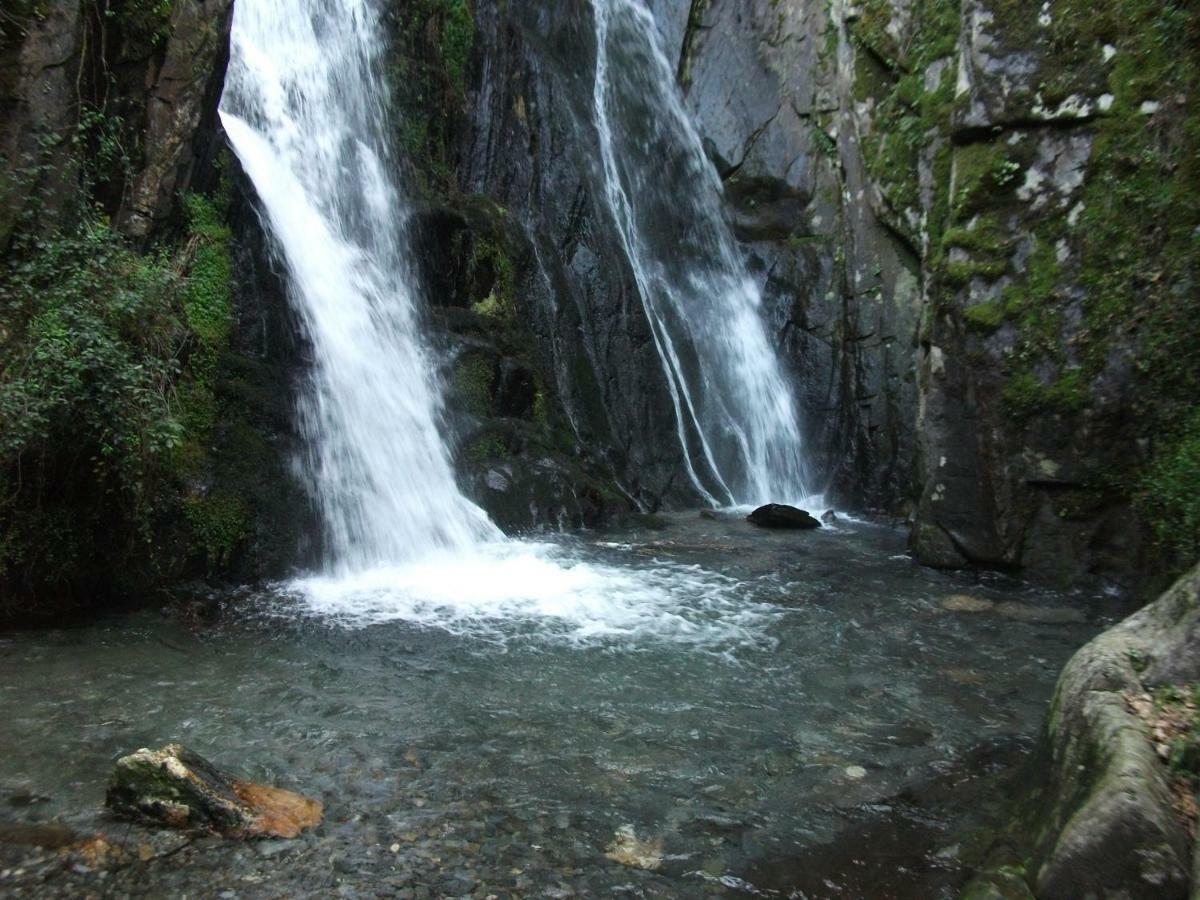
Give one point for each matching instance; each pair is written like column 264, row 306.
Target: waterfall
column 735, row 415
column 305, row 107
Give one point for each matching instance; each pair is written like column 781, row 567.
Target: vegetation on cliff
column 104, row 389
column 1056, row 210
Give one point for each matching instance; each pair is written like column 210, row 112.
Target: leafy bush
column 93, row 355
column 1170, row 494
column 87, row 369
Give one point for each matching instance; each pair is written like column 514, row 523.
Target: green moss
column 983, row 174
column 208, row 300
column 984, row 236
column 1026, row 394
column 491, row 265
column 427, row 73
column 219, row 522
column 909, row 118
column 487, row 446
column 985, row 317
column 473, row 378
column 959, row 274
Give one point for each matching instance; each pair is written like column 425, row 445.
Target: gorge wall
column 975, row 230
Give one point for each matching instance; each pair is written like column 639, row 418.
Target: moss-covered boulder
column 1107, row 822
column 181, row 789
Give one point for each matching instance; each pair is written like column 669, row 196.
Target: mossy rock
column 181, row 789
column 1106, row 826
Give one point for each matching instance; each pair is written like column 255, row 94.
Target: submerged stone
column 629, row 850
column 779, row 515
column 181, row 789
column 966, row 603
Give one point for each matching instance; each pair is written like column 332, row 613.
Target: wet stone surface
column 858, row 727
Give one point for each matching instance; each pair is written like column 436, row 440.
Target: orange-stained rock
column 181, row 789
column 278, row 813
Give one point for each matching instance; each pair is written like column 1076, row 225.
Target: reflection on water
column 733, row 720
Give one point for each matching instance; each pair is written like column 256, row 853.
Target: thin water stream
column 504, row 757
column 734, row 405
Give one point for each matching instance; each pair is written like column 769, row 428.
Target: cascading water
column 305, row 110
column 735, row 414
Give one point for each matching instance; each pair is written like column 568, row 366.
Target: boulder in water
column 779, row 515
column 181, row 789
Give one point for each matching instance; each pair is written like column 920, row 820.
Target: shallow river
column 811, row 721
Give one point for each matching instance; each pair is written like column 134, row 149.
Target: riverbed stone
column 630, row 850
column 181, row 789
column 967, row 603
column 779, row 515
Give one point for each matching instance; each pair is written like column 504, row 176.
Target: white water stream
column 735, row 410
column 305, row 108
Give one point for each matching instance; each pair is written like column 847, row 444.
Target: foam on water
column 506, row 589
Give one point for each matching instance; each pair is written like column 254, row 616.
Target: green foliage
column 458, row 36
column 1169, row 494
column 85, row 394
column 92, row 350
column 219, row 521
column 106, row 393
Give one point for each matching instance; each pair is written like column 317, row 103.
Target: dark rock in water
column 830, row 517
column 181, row 789
column 778, row 515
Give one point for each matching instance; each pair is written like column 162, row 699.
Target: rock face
column 1106, row 826
column 920, row 190
column 152, row 95
column 778, row 515
column 180, row 789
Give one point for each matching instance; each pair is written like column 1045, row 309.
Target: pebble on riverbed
column 181, row 789
column 629, row 850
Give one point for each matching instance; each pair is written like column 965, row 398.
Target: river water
column 828, row 729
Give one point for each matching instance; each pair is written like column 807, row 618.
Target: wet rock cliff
column 943, row 202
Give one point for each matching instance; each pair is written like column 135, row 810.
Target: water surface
column 817, row 688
